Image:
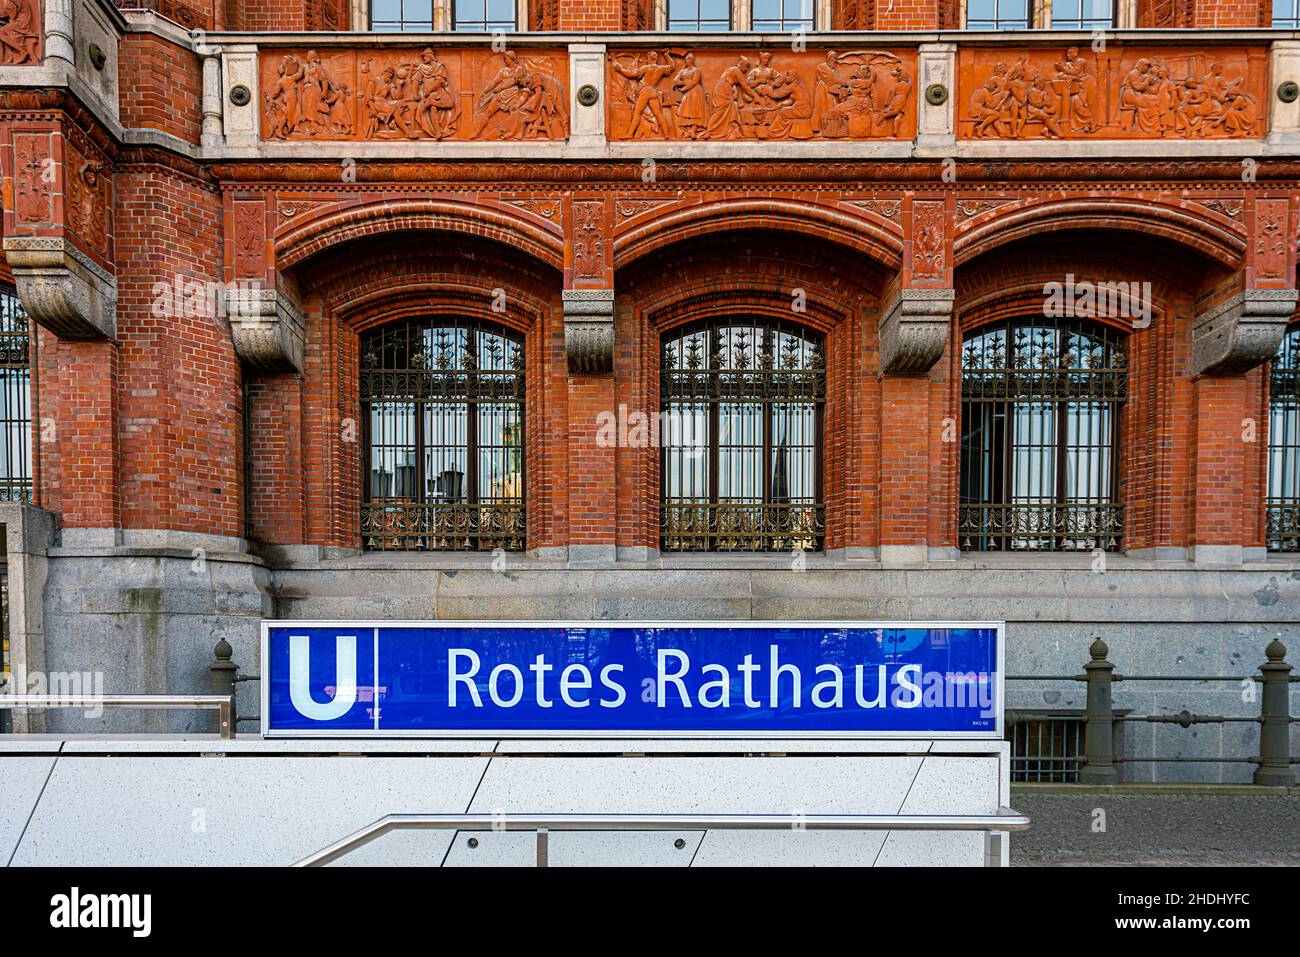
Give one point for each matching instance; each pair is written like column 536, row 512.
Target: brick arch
column 308, row 238
column 707, row 280
column 1175, row 224
column 871, row 236
column 1025, row 298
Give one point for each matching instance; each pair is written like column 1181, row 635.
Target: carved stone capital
column 1241, row 332
column 62, row 288
column 914, row 330
column 589, row 331
column 267, row 328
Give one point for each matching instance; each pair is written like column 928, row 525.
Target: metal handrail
column 223, row 703
column 992, row 825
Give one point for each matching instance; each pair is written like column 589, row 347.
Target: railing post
column 1275, row 720
column 223, row 682
column 1098, row 737
column 543, row 848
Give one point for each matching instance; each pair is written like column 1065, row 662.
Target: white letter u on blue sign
column 345, row 681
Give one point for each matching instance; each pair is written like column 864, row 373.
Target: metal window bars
column 443, row 412
column 1040, row 422
column 15, row 401
column 1282, row 497
column 741, row 437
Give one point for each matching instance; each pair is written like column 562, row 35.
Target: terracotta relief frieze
column 20, row 32
column 1116, row 93
column 34, row 172
column 889, row 209
column 676, row 94
column 545, row 207
column 409, row 94
column 88, row 199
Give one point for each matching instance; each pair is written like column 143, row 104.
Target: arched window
column 15, row 401
column 741, row 437
column 443, row 406
column 1282, row 501
column 1040, row 417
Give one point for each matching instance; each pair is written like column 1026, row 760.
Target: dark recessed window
column 1040, row 423
column 741, row 438
column 1282, row 502
column 443, row 409
column 1082, row 14
column 699, row 16
column 15, row 401
column 776, row 16
column 999, row 14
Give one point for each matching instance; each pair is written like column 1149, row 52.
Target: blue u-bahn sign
column 639, row 679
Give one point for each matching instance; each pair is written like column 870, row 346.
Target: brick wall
column 161, row 87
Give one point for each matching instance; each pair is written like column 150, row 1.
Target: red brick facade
column 160, row 427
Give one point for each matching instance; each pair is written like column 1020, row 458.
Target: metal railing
column 1100, row 765
column 994, row 827
column 223, row 704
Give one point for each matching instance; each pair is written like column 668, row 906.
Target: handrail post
column 223, row 683
column 543, row 847
column 1099, row 740
column 1275, row 720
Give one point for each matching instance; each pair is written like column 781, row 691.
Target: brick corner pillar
column 1234, row 334
column 914, row 324
column 588, row 299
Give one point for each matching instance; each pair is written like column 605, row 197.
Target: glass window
column 1040, row 412
column 1282, row 500
column 740, row 433
column 443, row 407
column 1286, row 13
column 698, row 16
column 401, row 16
column 483, row 16
column 776, row 16
column 999, row 14
column 1082, row 14
column 15, row 401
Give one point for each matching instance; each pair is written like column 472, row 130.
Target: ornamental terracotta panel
column 412, row 94
column 20, row 32
column 1117, row 93
column 679, row 94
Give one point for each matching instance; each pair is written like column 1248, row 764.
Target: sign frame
column 999, row 686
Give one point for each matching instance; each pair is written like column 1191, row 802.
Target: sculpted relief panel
column 414, row 95
column 1117, row 93
column 677, row 94
column 20, row 32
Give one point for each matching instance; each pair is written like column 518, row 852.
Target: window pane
column 1282, row 503
column 446, row 448
column 740, row 438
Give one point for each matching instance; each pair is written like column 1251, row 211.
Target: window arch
column 1282, row 498
column 741, row 437
column 1040, row 423
column 15, row 401
column 442, row 402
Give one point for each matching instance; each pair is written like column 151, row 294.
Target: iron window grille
column 15, row 401
column 782, row 16
column 699, row 16
column 1286, row 14
column 443, row 411
column 1083, row 14
column 1046, row 748
column 1040, row 416
column 741, row 438
column 999, row 14
column 1282, row 501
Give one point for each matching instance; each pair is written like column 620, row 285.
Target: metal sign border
column 616, row 734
